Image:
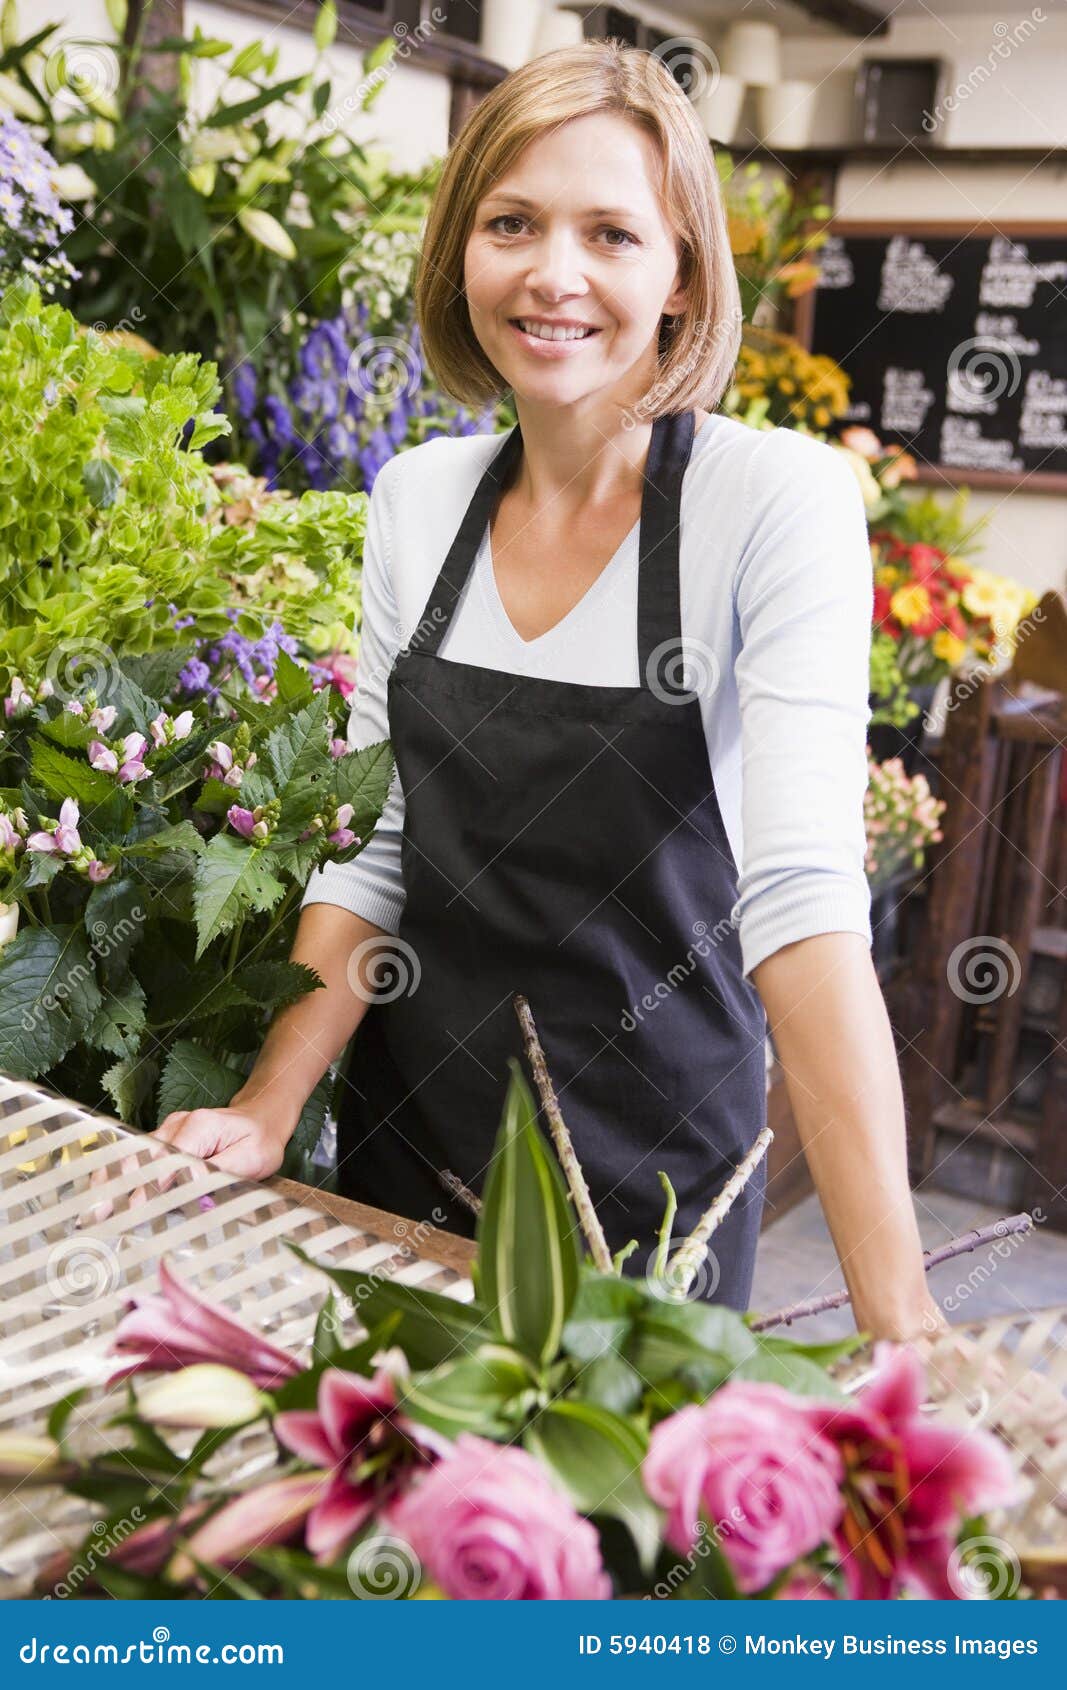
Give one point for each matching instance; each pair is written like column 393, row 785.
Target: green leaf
column 223, row 117
column 232, row 879
column 297, row 748
column 602, row 1318
column 273, row 985
column 178, row 836
column 778, row 1362
column 120, row 1021
column 128, row 1083
column 434, row 1328
column 62, row 777
column 302, row 1390
column 102, row 482
column 325, row 25
column 48, row 998
column 696, row 1343
column 528, row 1247
column 116, row 13
column 362, row 778
column 470, row 1394
column 610, row 1382
column 61, row 1412
column 596, row 1457
column 293, row 682
column 71, row 731
column 193, row 1079
column 115, row 917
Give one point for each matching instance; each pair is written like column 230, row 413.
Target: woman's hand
column 247, row 1139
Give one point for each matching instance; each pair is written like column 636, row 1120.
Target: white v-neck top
column 776, row 603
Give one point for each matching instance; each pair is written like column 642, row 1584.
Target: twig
column 683, row 1265
column 462, row 1193
column 961, row 1246
column 561, row 1138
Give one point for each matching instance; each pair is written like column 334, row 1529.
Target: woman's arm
column 833, row 1037
column 249, row 1137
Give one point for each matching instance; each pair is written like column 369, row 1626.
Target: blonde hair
column 698, row 348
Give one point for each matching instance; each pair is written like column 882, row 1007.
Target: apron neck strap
column 659, row 625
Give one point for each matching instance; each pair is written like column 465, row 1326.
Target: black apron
column 564, row 842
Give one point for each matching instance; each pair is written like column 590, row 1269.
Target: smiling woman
column 622, row 658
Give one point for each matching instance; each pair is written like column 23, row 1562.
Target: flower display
column 901, row 817
column 178, row 1329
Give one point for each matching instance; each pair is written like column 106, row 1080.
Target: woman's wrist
column 902, row 1323
column 277, row 1109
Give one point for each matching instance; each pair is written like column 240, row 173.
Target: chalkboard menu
column 955, row 338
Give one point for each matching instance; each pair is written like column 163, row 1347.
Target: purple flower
column 101, row 758
column 195, row 676
column 242, row 821
column 280, row 421
column 244, row 384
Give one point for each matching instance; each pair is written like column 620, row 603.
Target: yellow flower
column 910, row 604
column 983, row 594
column 949, row 648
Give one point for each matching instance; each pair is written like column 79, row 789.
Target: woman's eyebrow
column 627, row 213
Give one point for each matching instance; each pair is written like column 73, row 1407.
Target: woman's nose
column 556, row 266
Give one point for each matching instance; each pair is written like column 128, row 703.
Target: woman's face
column 574, row 235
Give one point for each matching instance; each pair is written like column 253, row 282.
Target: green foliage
column 109, row 516
column 153, row 945
column 199, row 176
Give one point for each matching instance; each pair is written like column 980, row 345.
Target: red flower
column 177, row 1330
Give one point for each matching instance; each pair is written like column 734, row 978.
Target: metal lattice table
column 74, row 1252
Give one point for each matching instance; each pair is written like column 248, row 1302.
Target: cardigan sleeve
column 371, row 884
column 803, row 597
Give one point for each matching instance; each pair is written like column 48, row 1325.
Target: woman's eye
column 510, row 217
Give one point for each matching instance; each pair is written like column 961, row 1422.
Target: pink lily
column 157, row 727
column 338, row 748
column 342, row 836
column 908, row 1482
column 10, row 839
column 74, row 707
column 132, row 766
column 270, row 1513
column 101, row 758
column 103, row 717
column 356, row 1431
column 98, row 871
column 177, row 1329
column 67, row 836
column 19, row 700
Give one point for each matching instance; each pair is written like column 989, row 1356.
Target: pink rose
column 770, row 1490
column 487, row 1524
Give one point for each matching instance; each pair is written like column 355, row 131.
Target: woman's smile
column 546, row 338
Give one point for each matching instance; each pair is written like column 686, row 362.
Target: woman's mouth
column 553, row 340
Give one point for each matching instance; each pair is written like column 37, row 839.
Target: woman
column 619, row 652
